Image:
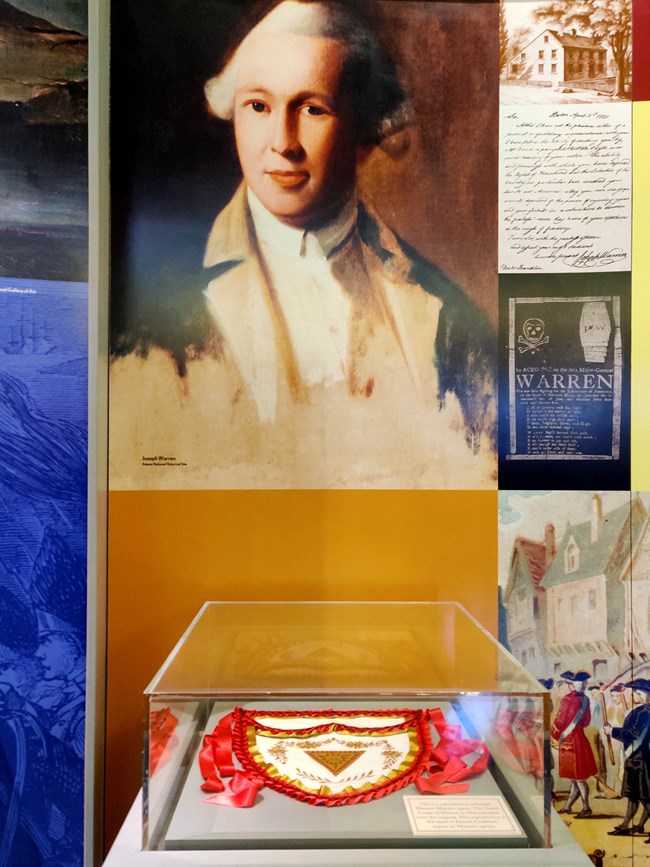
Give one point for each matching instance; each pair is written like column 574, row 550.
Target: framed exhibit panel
column 564, row 380
column 392, row 338
column 45, row 355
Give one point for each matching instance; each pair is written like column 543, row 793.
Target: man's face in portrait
column 294, row 126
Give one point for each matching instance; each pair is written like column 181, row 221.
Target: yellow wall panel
column 641, row 298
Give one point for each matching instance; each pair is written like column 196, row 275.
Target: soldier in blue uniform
column 635, row 737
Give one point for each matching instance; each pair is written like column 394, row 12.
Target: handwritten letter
column 565, row 188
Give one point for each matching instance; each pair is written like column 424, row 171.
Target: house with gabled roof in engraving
column 585, row 596
column 525, row 601
column 554, row 58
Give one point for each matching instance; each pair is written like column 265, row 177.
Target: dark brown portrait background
column 441, row 196
column 174, row 166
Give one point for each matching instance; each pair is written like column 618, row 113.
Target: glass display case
column 343, row 725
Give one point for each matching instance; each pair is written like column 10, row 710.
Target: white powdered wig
column 380, row 105
column 290, row 16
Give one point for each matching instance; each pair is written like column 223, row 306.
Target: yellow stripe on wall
column 641, row 298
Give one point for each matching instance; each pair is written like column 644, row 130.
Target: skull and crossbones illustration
column 533, row 336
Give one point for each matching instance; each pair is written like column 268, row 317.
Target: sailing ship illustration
column 29, row 335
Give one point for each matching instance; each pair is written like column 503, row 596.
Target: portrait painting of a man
column 320, row 349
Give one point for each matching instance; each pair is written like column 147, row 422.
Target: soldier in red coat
column 576, row 758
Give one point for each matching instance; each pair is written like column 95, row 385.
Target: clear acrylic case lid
column 360, row 648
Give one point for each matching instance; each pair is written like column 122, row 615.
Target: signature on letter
column 588, row 259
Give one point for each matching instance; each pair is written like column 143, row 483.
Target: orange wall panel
column 171, row 551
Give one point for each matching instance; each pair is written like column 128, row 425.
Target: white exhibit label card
column 461, row 816
column 565, row 191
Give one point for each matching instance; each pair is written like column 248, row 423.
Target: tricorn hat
column 639, row 683
column 575, row 676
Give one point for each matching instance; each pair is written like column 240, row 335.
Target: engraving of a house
column 585, row 596
column 554, row 58
column 525, row 601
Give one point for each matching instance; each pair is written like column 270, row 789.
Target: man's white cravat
column 314, row 305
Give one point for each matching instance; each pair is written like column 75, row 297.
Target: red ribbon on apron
column 447, row 769
column 437, row 771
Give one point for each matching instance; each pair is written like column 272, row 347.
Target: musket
column 610, row 748
column 639, row 666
